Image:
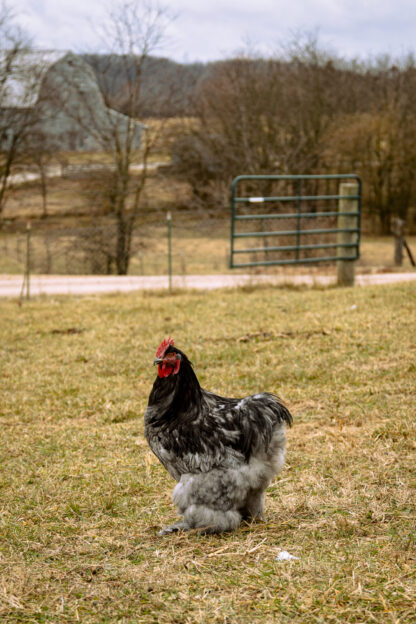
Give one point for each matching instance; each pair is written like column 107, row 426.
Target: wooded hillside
column 305, row 111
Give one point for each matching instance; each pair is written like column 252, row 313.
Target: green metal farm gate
column 297, row 219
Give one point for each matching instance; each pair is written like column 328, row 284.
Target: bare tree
column 133, row 30
column 17, row 88
column 237, row 128
column 260, row 116
column 40, row 149
column 380, row 143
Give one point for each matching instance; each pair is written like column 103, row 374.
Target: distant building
column 67, row 107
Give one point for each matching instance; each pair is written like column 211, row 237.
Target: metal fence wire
column 199, row 245
column 69, row 250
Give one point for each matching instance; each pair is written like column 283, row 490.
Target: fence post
column 26, row 274
column 346, row 268
column 397, row 228
column 169, row 223
column 28, row 228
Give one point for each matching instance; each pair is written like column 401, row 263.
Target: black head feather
column 180, row 394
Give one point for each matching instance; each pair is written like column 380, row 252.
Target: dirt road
column 60, row 171
column 11, row 285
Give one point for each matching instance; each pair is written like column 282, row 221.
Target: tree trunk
column 44, row 191
column 123, row 246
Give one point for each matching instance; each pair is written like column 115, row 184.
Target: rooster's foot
column 173, row 528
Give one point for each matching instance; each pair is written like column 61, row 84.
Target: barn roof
column 22, row 85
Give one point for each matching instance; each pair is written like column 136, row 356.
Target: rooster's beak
column 161, row 360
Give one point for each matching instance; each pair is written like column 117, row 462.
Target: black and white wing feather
column 221, row 433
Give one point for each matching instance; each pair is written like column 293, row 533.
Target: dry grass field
column 82, row 497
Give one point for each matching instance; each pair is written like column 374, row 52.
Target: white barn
column 61, row 91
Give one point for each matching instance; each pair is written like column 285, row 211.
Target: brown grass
column 82, row 497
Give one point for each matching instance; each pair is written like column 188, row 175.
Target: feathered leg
column 209, row 501
column 218, row 500
column 254, row 506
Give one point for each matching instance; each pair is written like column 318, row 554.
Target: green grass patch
column 82, row 497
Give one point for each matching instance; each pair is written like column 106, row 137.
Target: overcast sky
column 212, row 29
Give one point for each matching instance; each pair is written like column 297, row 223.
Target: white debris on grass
column 285, row 556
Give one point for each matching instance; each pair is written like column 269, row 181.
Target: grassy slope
column 82, row 497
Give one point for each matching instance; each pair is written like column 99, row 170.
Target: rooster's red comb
column 166, row 342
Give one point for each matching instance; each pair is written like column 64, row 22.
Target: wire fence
column 198, row 246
